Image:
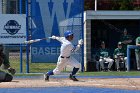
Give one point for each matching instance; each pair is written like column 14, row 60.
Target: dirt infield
column 116, row 83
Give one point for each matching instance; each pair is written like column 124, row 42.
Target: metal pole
column 128, row 58
column 95, row 5
column 0, row 6
column 21, row 67
column 27, row 34
column 82, row 19
column 20, row 6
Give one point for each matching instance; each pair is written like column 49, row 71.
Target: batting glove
column 52, row 37
column 80, row 42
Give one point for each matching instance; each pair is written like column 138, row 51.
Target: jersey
column 104, row 52
column 125, row 38
column 119, row 51
column 66, row 47
column 137, row 42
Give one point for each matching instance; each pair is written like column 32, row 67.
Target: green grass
column 44, row 67
column 33, row 67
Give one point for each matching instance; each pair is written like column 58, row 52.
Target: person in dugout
column 5, row 76
column 105, row 56
column 120, row 55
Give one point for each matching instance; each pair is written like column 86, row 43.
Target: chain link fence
column 17, row 59
column 13, row 6
column 17, row 53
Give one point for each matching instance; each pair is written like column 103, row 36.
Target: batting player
column 5, row 64
column 65, row 57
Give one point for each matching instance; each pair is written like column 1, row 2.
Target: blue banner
column 53, row 17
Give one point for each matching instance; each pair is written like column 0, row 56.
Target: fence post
column 21, row 59
column 27, row 34
column 128, row 58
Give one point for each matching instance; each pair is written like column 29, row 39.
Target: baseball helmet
column 68, row 33
column 119, row 43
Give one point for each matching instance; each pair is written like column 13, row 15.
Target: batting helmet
column 68, row 33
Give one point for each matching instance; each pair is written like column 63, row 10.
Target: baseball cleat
column 71, row 77
column 46, row 77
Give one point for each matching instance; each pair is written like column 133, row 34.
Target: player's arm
column 115, row 53
column 60, row 39
column 76, row 48
column 127, row 41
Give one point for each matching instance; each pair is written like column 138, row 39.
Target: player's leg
column 137, row 54
column 138, row 62
column 62, row 62
column 125, row 62
column 76, row 65
column 110, row 63
column 117, row 64
column 101, row 61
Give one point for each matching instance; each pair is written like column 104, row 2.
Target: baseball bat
column 33, row 41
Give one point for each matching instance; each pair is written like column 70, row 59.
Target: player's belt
column 65, row 57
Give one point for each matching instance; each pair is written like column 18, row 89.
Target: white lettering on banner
column 12, row 27
column 48, row 17
column 8, row 37
column 47, row 50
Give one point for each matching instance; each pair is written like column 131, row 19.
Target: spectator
column 137, row 53
column 104, row 56
column 119, row 55
column 5, row 64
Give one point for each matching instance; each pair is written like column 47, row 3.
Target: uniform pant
column 103, row 60
column 118, row 61
column 137, row 54
column 63, row 62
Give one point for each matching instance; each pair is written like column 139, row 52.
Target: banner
column 53, row 17
column 12, row 28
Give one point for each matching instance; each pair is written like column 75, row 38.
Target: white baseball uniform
column 65, row 57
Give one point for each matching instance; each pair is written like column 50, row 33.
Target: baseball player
column 119, row 55
column 65, row 57
column 137, row 53
column 5, row 64
column 105, row 57
column 126, row 39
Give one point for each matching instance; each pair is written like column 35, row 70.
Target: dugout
column 108, row 26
